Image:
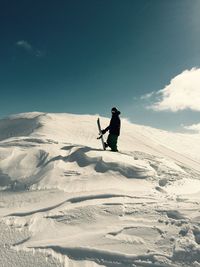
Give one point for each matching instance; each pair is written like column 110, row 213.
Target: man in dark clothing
column 114, row 130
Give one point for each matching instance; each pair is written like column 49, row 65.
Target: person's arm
column 105, row 130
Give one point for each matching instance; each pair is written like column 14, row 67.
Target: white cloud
column 147, row 96
column 29, row 48
column 193, row 127
column 182, row 93
column 25, row 45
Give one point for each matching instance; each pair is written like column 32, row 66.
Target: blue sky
column 87, row 56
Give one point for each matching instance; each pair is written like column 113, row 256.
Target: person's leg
column 112, row 142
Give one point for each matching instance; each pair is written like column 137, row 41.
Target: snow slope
column 65, row 202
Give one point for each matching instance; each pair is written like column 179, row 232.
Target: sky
column 84, row 57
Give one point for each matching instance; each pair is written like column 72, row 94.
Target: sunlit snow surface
column 65, row 202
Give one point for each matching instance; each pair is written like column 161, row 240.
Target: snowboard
column 100, row 133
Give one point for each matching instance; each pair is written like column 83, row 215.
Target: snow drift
column 88, row 207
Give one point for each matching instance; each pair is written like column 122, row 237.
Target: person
column 114, row 129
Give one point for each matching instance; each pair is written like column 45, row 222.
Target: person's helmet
column 114, row 110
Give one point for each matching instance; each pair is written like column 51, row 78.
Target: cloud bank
column 193, row 127
column 182, row 93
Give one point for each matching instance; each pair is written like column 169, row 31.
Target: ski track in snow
column 64, row 203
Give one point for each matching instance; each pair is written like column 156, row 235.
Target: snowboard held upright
column 100, row 133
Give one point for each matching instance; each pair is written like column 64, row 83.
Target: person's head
column 115, row 111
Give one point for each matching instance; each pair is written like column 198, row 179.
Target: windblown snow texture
column 65, row 202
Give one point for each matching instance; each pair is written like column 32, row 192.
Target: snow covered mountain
column 65, row 202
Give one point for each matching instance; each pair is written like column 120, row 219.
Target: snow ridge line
column 19, row 125
column 70, row 200
column 105, row 257
column 92, row 197
column 101, row 166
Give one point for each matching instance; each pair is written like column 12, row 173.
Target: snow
column 65, row 202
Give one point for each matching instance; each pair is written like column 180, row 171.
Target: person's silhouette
column 114, row 130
